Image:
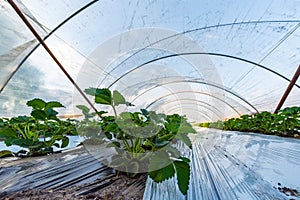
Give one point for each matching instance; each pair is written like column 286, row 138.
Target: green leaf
column 118, row 98
column 126, row 115
column 117, row 161
column 108, row 135
column 38, row 114
column 64, row 141
column 133, row 166
column 51, row 114
column 26, row 143
column 117, row 144
column 162, row 174
column 7, row 133
column 9, row 141
column 56, row 145
column 6, row 153
column 172, row 128
column 53, row 104
column 172, row 151
column 102, row 96
column 183, row 175
column 167, row 137
column 183, row 137
column 90, row 91
column 83, row 108
column 100, row 113
column 186, row 128
column 160, row 143
column 114, row 128
column 36, row 103
column 159, row 160
column 108, row 118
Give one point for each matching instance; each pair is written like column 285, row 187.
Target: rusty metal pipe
column 38, row 37
column 288, row 90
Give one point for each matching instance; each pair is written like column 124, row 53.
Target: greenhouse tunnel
column 206, row 60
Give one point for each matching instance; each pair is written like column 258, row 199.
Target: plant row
column 139, row 142
column 142, row 141
column 39, row 132
column 285, row 123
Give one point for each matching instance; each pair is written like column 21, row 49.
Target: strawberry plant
column 143, row 141
column 285, row 123
column 39, row 132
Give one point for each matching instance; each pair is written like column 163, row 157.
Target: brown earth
column 114, row 187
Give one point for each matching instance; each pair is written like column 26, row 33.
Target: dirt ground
column 114, row 187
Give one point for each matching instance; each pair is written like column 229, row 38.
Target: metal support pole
column 288, row 90
column 38, row 37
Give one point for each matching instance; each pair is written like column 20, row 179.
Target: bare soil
column 114, row 187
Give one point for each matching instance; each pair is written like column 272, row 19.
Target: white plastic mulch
column 234, row 165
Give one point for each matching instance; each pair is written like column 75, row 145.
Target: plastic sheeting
column 207, row 60
column 235, row 165
column 73, row 167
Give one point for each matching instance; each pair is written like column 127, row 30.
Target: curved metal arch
column 200, row 82
column 188, row 105
column 201, row 53
column 195, row 92
column 184, row 32
column 197, row 101
column 46, row 37
column 196, row 111
column 208, row 27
